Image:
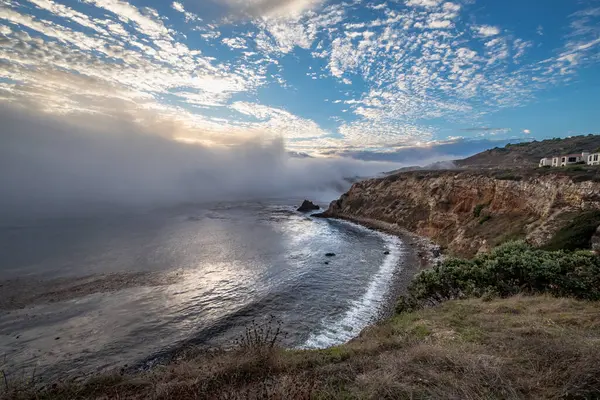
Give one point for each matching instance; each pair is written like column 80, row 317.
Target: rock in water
column 330, row 255
column 308, row 206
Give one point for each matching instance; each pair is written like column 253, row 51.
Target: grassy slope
column 529, row 154
column 521, row 347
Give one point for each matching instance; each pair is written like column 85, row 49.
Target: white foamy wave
column 364, row 310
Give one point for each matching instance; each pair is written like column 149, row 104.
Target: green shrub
column 507, row 270
column 577, row 234
column 478, row 209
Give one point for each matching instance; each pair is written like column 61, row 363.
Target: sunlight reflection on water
column 233, row 263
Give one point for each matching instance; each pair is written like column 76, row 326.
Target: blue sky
column 330, row 77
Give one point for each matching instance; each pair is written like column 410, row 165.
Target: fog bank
column 50, row 165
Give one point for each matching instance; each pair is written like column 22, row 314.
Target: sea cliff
column 468, row 211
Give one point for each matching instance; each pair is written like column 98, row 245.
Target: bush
column 507, row 270
column 261, row 337
column 478, row 209
column 577, row 234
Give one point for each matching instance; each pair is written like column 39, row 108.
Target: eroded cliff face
column 467, row 212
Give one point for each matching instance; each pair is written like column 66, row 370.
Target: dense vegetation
column 577, row 234
column 510, row 269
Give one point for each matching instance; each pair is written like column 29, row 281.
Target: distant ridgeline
column 526, row 155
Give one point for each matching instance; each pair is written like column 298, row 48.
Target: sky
column 328, row 77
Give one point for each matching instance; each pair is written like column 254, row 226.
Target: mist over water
column 49, row 165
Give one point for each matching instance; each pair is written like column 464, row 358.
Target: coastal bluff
column 471, row 211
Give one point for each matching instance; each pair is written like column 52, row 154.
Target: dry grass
column 516, row 348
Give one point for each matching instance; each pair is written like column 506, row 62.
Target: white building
column 593, row 159
column 556, row 161
column 571, row 159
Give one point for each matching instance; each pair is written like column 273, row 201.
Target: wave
column 366, row 309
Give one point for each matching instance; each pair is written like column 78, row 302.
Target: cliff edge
column 468, row 211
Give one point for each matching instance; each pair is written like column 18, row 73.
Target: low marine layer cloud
column 49, row 164
column 271, row 7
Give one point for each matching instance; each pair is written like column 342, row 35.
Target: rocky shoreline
column 420, row 254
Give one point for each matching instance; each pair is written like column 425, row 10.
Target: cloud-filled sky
column 327, row 76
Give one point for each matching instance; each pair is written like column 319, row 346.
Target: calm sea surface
column 224, row 266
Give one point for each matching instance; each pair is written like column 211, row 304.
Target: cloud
column 424, row 3
column 271, row 8
column 580, row 48
column 397, row 67
column 279, row 122
column 235, row 43
column 427, row 154
column 50, row 165
column 451, row 7
column 486, row 30
column 540, row 30
column 440, row 24
column 178, row 7
column 486, row 129
column 188, row 15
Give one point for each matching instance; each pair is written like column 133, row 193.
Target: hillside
column 529, row 154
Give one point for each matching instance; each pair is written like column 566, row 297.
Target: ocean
column 130, row 289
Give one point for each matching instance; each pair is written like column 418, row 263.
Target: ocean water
column 215, row 269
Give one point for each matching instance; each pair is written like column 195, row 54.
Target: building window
column 596, row 157
column 564, row 159
column 572, row 159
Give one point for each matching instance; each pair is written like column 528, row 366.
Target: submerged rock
column 308, row 206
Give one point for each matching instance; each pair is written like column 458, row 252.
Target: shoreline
column 420, row 253
column 427, row 251
column 417, row 254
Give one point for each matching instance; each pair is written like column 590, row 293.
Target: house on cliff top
column 593, row 159
column 570, row 159
column 546, row 162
